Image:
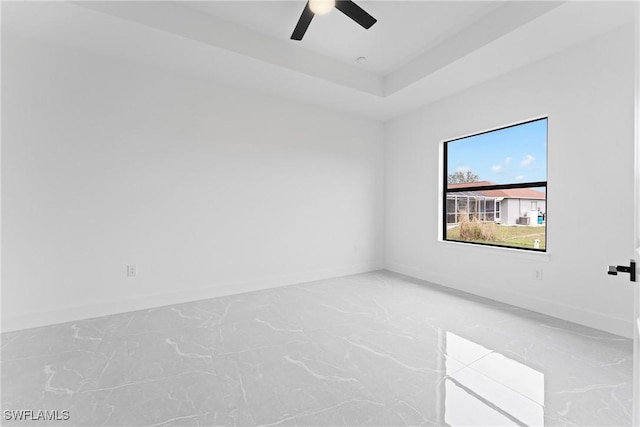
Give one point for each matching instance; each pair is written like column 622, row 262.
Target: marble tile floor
column 370, row 349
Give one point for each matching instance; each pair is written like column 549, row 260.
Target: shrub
column 473, row 229
column 488, row 231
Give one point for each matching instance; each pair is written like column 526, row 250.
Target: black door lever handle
column 631, row 269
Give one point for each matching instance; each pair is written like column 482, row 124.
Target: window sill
column 496, row 250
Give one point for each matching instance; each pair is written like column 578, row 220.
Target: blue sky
column 504, row 156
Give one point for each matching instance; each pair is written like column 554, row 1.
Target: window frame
column 530, row 184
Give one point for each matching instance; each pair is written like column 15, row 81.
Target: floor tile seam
column 205, row 326
column 489, row 352
column 184, row 417
column 489, row 402
column 608, row 365
column 66, row 325
column 145, row 381
column 234, row 353
column 50, row 355
column 362, row 314
column 591, row 387
column 394, row 357
column 469, row 366
column 288, row 322
column 453, row 372
column 284, row 344
column 109, row 334
column 337, row 369
column 568, row 352
column 326, row 327
column 288, row 338
column 357, row 321
column 312, row 412
column 464, row 365
column 378, row 348
column 152, row 331
column 399, row 401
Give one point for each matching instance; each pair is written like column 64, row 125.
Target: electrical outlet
column 537, row 274
column 132, row 270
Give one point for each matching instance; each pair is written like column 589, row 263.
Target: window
column 495, row 187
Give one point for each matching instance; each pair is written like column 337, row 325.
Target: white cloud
column 519, row 177
column 496, row 168
column 463, row 169
column 507, row 161
column 528, row 159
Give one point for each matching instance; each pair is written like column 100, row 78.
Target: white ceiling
column 417, row 52
column 405, row 28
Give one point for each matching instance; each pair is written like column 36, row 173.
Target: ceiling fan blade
column 356, row 13
column 303, row 23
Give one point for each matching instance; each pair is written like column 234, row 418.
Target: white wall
column 587, row 93
column 208, row 189
column 211, row 190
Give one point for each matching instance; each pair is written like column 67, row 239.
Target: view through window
column 495, row 187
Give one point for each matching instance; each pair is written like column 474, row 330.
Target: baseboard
column 551, row 308
column 68, row 314
column 566, row 312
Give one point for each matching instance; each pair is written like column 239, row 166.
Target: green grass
column 513, row 236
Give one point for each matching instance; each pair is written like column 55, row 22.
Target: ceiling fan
column 322, row 7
